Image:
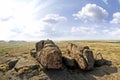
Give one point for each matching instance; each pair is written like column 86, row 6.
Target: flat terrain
column 109, row 49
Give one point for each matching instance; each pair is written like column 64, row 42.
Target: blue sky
column 60, row 19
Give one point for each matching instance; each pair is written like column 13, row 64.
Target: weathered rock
column 8, row 64
column 40, row 45
column 83, row 48
column 69, row 61
column 73, row 48
column 33, row 53
column 99, row 61
column 26, row 64
column 4, row 67
column 83, row 56
column 81, row 61
column 89, row 58
column 48, row 42
column 50, row 56
column 12, row 63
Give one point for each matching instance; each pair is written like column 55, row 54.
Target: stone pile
column 83, row 56
column 50, row 56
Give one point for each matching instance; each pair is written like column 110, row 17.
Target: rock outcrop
column 82, row 55
column 41, row 44
column 99, row 61
column 33, row 53
column 49, row 55
column 26, row 64
column 7, row 64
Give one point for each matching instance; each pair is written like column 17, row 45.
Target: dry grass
column 16, row 47
column 109, row 49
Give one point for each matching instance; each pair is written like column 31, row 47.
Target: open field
column 15, row 46
column 109, row 49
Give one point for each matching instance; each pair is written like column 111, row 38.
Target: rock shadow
column 78, row 74
column 65, row 74
column 105, row 69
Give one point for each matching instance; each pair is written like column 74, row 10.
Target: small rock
column 33, row 53
column 99, row 61
column 4, row 67
column 12, row 63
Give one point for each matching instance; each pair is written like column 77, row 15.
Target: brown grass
column 109, row 49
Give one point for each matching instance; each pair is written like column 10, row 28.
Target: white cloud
column 119, row 1
column 105, row 1
column 116, row 18
column 54, row 18
column 83, row 30
column 18, row 20
column 6, row 10
column 92, row 12
column 114, row 33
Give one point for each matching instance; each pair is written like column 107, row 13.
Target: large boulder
column 50, row 56
column 82, row 55
column 89, row 58
column 40, row 45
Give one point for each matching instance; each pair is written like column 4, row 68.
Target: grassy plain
column 109, row 49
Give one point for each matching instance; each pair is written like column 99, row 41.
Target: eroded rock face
column 33, row 53
column 8, row 64
column 82, row 55
column 74, row 49
column 50, row 55
column 89, row 58
column 26, row 64
column 41, row 44
column 99, row 61
column 81, row 61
